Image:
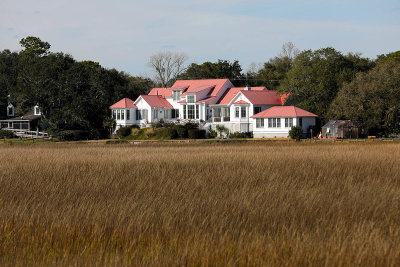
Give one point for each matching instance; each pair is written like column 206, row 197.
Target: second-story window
column 257, row 110
column 176, row 95
column 244, row 113
column 237, row 112
column 190, row 98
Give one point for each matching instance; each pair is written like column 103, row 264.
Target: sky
column 123, row 34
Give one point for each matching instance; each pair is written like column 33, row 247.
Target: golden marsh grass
column 285, row 204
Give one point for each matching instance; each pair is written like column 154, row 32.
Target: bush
column 135, row 131
column 124, row 132
column 241, row 135
column 191, row 125
column 296, row 132
column 196, row 134
column 181, row 131
column 6, row 134
column 73, row 135
column 212, row 133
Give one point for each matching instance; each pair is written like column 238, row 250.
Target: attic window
column 190, row 98
column 10, row 111
column 37, row 110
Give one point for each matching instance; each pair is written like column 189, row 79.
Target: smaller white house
column 278, row 120
column 123, row 112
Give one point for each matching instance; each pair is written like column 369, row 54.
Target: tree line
column 75, row 95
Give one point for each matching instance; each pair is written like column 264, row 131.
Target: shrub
column 134, row 131
column 191, row 125
column 124, row 132
column 241, row 135
column 181, row 130
column 296, row 132
column 222, row 129
column 212, row 133
column 196, row 134
column 149, row 132
column 6, row 134
column 73, row 135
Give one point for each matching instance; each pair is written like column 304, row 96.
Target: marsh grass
column 283, row 204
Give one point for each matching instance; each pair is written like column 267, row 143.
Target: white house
column 212, row 102
column 277, row 121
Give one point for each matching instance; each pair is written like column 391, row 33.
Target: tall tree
column 372, row 99
column 274, row 70
column 316, row 76
column 214, row 70
column 167, row 66
column 35, row 46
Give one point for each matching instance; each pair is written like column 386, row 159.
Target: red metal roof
column 156, row 101
column 241, row 102
column 164, row 92
column 265, row 97
column 206, row 99
column 124, row 103
column 231, row 93
column 194, row 86
column 194, row 90
column 283, row 111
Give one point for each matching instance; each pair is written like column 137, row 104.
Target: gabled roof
column 283, row 111
column 231, row 93
column 194, row 86
column 124, row 103
column 265, row 97
column 156, row 101
column 164, row 92
column 241, row 102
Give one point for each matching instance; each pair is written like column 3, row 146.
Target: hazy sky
column 123, row 34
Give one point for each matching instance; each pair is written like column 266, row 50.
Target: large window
column 176, row 95
column 174, row 113
column 190, row 110
column 122, row 114
column 114, row 114
column 274, row 122
column 128, row 114
column 257, row 110
column 141, row 114
column 155, row 113
column 184, row 112
column 118, row 114
column 190, row 98
column 197, row 111
column 237, row 112
column 260, row 123
column 243, row 111
column 288, row 122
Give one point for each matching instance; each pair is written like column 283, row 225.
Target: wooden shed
column 341, row 129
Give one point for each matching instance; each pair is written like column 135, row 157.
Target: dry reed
column 232, row 204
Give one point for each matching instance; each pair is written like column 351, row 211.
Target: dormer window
column 10, row 110
column 190, row 98
column 176, row 95
column 36, row 110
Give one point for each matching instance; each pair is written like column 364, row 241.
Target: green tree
column 35, row 46
column 218, row 70
column 316, row 76
column 296, row 132
column 372, row 99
